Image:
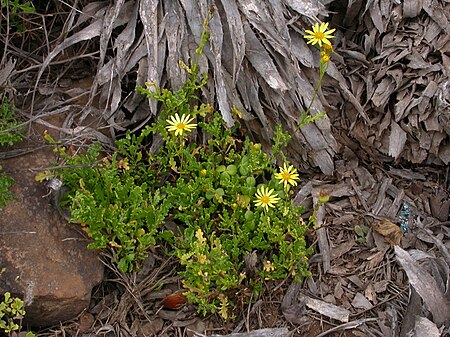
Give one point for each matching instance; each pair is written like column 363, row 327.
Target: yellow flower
column 268, row 266
column 319, row 34
column 323, row 197
column 123, row 164
column 199, row 236
column 287, row 175
column 179, row 124
column 325, row 58
column 266, row 198
column 328, row 49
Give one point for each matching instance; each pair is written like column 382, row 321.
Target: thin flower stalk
column 321, row 36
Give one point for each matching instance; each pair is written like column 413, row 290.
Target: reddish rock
column 46, row 259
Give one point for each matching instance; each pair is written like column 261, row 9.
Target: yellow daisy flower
column 287, row 175
column 266, row 198
column 319, row 34
column 179, row 124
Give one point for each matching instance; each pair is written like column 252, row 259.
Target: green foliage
column 361, row 232
column 11, row 311
column 11, row 314
column 113, row 200
column 281, row 139
column 205, row 182
column 9, row 134
column 9, row 127
column 15, row 7
column 14, row 11
column 307, row 118
column 208, row 189
column 5, row 184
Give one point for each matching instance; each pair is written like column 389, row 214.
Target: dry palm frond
column 395, row 57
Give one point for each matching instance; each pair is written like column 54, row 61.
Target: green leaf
column 221, row 168
column 210, row 194
column 248, row 190
column 225, row 176
column 167, row 236
column 124, row 264
column 359, row 230
column 231, row 170
column 243, row 170
column 44, row 175
column 249, row 215
column 250, row 181
column 220, row 192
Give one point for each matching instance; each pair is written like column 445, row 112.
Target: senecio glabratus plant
column 212, row 197
column 321, row 36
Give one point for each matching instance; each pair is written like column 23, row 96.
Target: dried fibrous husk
column 402, row 49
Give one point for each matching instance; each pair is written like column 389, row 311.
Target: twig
column 18, row 232
column 346, row 326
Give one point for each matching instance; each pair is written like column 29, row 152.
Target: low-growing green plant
column 11, row 311
column 14, row 10
column 16, row 7
column 117, row 206
column 5, row 183
column 11, row 314
column 9, row 126
column 225, row 195
column 9, row 135
column 361, row 233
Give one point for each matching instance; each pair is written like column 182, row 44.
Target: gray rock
column 46, row 259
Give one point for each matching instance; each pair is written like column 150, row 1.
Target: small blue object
column 404, row 216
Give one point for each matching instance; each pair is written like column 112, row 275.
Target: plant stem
column 323, row 68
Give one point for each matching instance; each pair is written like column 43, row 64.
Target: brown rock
column 46, row 259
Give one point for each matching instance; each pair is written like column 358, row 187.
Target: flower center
column 265, row 199
column 286, row 176
column 319, row 35
column 181, row 126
